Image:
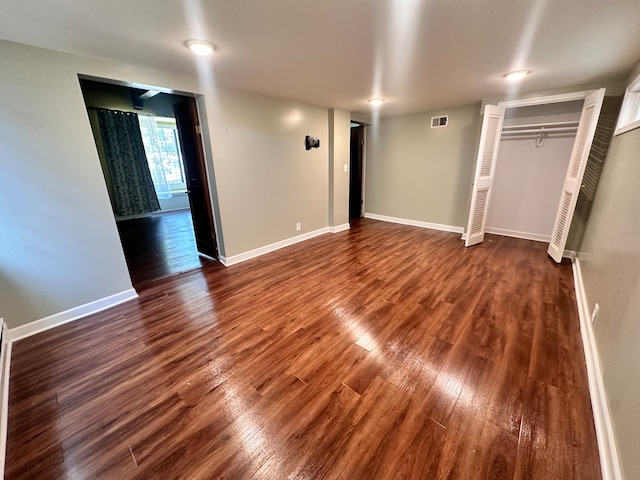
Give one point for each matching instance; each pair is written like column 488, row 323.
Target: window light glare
column 200, row 47
column 376, row 102
column 517, row 75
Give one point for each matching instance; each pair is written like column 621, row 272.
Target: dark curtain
column 133, row 188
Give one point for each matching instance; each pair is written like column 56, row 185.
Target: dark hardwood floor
column 382, row 352
column 159, row 246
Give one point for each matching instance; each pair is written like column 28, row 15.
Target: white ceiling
column 420, row 55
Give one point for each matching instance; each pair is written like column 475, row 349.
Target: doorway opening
column 356, row 171
column 173, row 231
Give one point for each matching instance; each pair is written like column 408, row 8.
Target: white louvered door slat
column 485, row 169
column 575, row 172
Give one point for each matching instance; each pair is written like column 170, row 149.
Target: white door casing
column 575, row 171
column 485, row 171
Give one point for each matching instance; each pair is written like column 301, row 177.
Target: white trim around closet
column 563, row 97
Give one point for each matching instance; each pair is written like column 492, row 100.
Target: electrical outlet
column 345, row 167
column 594, row 313
column 298, row 227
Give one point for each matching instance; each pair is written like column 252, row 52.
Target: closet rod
column 542, row 130
column 542, row 125
column 532, row 137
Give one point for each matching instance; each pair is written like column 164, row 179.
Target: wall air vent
column 437, row 122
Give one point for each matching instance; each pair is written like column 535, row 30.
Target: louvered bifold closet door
column 575, row 171
column 485, row 171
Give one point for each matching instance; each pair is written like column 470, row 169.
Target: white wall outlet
column 346, row 168
column 594, row 313
column 298, row 227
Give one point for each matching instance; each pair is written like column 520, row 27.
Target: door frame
column 204, row 139
column 560, row 98
column 197, row 177
column 360, row 174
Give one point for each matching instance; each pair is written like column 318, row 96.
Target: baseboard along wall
column 415, row 223
column 23, row 331
column 242, row 257
column 609, row 463
column 340, row 228
column 10, row 335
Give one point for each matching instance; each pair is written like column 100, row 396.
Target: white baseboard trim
column 5, row 365
column 339, row 228
column 516, row 234
column 10, row 335
column 609, row 463
column 23, row 331
column 242, row 257
column 415, row 223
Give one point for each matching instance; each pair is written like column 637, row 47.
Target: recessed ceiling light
column 517, row 75
column 200, row 47
column 376, row 102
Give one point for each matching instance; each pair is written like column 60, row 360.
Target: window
column 162, row 145
column 630, row 112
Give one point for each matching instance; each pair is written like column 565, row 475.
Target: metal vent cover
column 438, row 122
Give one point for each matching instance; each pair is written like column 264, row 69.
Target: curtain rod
column 120, row 111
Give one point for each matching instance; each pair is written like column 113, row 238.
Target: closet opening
column 531, row 160
column 533, row 157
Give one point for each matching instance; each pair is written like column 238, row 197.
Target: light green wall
column 610, row 261
column 59, row 247
column 267, row 181
column 421, row 173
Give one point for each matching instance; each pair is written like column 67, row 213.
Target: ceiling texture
column 419, row 55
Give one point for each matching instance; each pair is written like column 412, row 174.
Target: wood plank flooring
column 159, row 246
column 383, row 352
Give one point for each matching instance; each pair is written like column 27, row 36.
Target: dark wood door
column 196, row 173
column 355, row 175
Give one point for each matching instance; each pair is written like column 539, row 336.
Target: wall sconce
column 311, row 142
